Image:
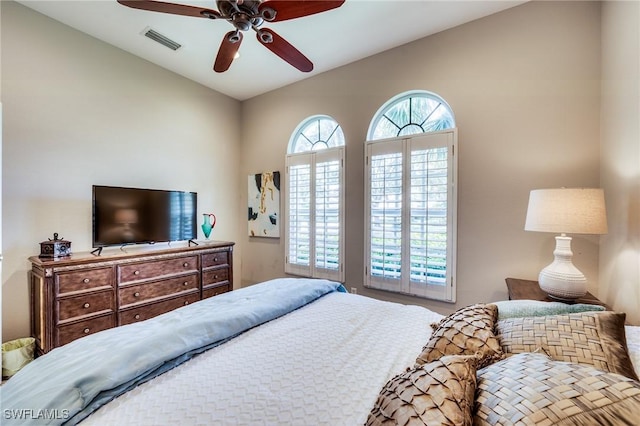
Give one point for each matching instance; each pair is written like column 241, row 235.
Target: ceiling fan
column 245, row 15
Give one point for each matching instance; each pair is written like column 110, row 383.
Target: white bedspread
column 323, row 364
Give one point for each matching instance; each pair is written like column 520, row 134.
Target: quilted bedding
column 73, row 380
column 350, row 360
column 323, row 364
column 341, row 359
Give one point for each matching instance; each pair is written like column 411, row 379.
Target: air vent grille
column 163, row 40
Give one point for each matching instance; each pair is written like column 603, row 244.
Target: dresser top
column 129, row 252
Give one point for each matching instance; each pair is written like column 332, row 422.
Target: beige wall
column 524, row 87
column 79, row 112
column 620, row 153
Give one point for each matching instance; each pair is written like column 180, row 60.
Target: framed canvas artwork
column 264, row 205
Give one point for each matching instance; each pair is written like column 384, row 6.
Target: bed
column 300, row 352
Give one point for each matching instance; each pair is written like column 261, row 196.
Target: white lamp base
column 561, row 280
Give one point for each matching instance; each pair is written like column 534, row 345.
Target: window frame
column 400, row 280
column 313, row 158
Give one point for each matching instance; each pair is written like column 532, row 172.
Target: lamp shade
column 567, row 210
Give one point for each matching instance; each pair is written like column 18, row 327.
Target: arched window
column 315, row 200
column 411, row 197
column 316, row 133
column 409, row 114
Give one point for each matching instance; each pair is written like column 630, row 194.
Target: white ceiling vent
column 163, row 40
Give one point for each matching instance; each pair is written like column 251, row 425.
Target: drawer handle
column 136, row 272
column 136, row 294
column 86, row 331
column 186, row 302
column 86, row 280
column 185, row 264
column 215, row 259
column 185, row 283
column 215, row 277
column 86, row 305
column 137, row 316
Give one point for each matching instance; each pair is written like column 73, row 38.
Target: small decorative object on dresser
column 56, row 247
column 208, row 222
column 82, row 294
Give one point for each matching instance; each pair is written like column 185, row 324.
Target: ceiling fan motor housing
column 243, row 14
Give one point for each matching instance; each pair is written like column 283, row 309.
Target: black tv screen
column 134, row 216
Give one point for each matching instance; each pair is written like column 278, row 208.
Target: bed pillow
column 468, row 331
column 438, row 393
column 592, row 338
column 536, row 308
column 532, row 389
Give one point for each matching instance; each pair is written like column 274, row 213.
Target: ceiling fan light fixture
column 208, row 14
column 268, row 14
column 265, row 37
column 242, row 21
column 234, row 37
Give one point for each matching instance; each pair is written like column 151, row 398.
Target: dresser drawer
column 71, row 332
column 215, row 259
column 87, row 279
column 157, row 268
column 157, row 289
column 87, row 304
column 141, row 313
column 215, row 290
column 213, row 276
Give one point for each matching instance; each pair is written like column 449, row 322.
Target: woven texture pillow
column 536, row 308
column 438, row 393
column 591, row 338
column 468, row 331
column 531, row 389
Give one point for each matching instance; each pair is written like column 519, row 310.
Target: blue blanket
column 70, row 382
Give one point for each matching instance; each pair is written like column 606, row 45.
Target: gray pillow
column 537, row 308
column 592, row 338
column 531, row 389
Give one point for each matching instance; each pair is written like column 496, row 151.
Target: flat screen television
column 135, row 216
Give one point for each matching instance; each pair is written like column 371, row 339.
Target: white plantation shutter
column 386, row 213
column 298, row 208
column 315, row 242
column 410, row 236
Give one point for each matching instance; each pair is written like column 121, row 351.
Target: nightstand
column 527, row 289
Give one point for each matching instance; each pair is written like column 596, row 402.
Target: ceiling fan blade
column 291, row 9
column 284, row 49
column 176, row 9
column 227, row 52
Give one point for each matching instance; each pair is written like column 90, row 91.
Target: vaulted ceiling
column 357, row 29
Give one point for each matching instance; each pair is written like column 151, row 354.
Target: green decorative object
column 209, row 221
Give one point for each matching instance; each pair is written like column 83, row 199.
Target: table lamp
column 565, row 211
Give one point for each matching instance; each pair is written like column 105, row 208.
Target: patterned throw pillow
column 531, row 389
column 439, row 393
column 591, row 338
column 536, row 308
column 468, row 331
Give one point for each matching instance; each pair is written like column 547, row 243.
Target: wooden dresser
column 82, row 294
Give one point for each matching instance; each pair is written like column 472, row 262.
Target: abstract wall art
column 264, row 205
